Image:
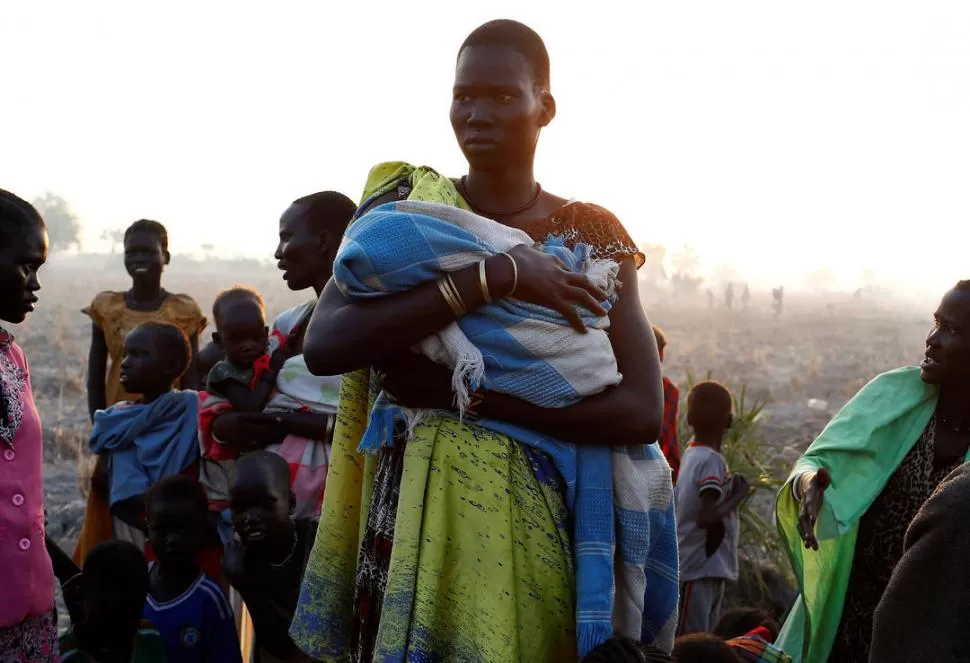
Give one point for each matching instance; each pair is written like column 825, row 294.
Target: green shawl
column 861, row 447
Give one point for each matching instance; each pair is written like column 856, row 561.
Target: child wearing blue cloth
column 143, row 441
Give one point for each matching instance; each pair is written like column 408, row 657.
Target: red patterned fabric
column 669, row 444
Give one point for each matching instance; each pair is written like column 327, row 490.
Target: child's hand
column 277, row 360
column 740, row 486
column 232, row 559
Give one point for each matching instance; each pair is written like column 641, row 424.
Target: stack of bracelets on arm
column 452, row 297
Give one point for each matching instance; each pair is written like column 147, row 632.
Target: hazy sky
column 777, row 136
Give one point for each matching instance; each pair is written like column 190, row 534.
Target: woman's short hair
column 15, row 214
column 517, row 36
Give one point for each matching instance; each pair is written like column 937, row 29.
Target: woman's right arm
column 345, row 336
column 97, row 368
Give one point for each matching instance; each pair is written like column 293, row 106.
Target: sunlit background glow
column 776, row 137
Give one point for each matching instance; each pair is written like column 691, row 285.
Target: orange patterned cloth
column 110, row 313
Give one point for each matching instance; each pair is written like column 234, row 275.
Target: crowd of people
column 461, row 448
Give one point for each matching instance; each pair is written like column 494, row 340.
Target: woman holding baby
column 452, row 542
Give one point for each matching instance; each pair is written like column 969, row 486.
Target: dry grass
column 819, row 349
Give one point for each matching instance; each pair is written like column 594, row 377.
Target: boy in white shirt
column 707, row 500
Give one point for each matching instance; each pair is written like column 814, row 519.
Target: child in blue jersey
column 189, row 609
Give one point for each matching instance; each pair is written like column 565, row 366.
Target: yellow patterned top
column 110, row 313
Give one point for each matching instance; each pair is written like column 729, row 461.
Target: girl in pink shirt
column 28, row 627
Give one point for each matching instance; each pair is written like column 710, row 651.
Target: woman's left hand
column 415, row 381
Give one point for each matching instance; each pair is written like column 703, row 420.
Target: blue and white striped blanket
column 532, row 353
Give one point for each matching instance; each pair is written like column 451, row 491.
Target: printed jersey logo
column 189, row 637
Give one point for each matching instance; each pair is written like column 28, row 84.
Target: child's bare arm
column 712, row 513
column 64, row 566
column 97, row 368
column 709, row 515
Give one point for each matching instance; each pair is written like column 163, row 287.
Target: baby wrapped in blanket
column 521, row 349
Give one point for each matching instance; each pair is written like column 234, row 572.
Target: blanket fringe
column 467, row 377
column 379, row 432
column 591, row 636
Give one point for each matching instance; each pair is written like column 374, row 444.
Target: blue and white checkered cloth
column 616, row 495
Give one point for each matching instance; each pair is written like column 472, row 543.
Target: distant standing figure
column 707, row 500
column 28, row 624
column 113, row 315
column 710, row 298
column 778, row 295
column 729, row 296
column 746, row 297
column 669, row 444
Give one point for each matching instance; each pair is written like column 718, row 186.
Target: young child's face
column 144, row 256
column 260, row 510
column 144, row 367
column 176, row 530
column 242, row 332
